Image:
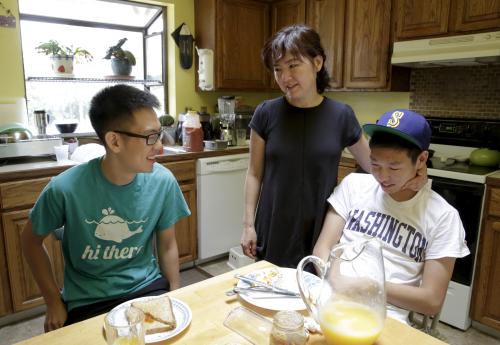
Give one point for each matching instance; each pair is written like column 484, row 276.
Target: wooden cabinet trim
column 22, row 193
column 494, row 202
column 5, row 295
column 183, row 171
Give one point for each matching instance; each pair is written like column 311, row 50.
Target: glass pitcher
column 350, row 302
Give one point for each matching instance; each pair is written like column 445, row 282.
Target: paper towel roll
column 13, row 110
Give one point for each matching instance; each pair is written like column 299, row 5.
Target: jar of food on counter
column 192, row 133
column 288, row 329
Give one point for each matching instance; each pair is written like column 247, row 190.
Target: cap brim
column 370, row 129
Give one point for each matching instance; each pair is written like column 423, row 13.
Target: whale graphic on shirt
column 114, row 228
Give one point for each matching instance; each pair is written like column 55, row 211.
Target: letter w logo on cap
column 394, row 120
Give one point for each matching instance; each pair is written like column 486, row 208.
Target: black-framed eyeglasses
column 151, row 139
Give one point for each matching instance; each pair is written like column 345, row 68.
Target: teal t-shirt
column 108, row 229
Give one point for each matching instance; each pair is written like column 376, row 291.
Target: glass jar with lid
column 288, row 328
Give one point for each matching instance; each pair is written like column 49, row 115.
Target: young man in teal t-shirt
column 111, row 208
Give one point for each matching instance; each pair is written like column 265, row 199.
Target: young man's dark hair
column 114, row 105
column 386, row 140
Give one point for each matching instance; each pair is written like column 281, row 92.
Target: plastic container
column 237, row 259
column 215, row 144
column 250, row 325
column 192, row 133
column 288, row 328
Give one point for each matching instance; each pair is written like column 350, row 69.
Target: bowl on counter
column 215, row 144
column 66, row 127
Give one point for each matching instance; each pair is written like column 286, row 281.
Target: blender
column 226, row 106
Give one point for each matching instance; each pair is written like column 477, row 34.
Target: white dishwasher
column 220, row 183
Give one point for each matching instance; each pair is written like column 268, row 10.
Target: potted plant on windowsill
column 121, row 60
column 62, row 56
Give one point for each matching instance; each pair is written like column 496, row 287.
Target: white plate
column 279, row 277
column 182, row 314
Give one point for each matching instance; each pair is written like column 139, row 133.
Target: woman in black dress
column 295, row 147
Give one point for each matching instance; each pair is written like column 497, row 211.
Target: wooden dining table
column 210, row 306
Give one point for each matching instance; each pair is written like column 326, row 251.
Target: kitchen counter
column 36, row 167
column 42, row 167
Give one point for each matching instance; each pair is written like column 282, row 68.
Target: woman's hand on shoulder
column 419, row 181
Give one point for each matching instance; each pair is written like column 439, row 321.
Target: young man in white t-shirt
column 420, row 232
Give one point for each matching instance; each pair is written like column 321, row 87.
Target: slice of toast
column 158, row 314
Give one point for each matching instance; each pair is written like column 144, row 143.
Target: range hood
column 465, row 50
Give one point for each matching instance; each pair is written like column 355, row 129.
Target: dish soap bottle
column 192, row 134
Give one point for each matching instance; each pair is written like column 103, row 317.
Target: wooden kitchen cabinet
column 236, row 31
column 367, row 43
column 287, row 12
column 17, row 198
column 356, row 38
column 24, row 289
column 486, row 294
column 327, row 18
column 354, row 33
column 186, row 228
column 5, row 297
column 428, row 18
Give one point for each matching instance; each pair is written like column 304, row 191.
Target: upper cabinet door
column 367, row 43
column 242, row 28
column 470, row 15
column 287, row 12
column 327, row 18
column 420, row 18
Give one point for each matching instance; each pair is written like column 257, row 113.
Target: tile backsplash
column 464, row 92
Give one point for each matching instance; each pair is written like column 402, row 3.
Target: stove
column 452, row 142
column 463, row 186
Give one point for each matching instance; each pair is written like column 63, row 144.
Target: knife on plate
column 270, row 288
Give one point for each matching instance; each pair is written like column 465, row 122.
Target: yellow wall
column 181, row 83
column 11, row 66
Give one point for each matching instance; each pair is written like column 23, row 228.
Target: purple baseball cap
column 404, row 123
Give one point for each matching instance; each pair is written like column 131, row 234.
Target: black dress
column 303, row 149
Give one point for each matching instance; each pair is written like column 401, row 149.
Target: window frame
column 162, row 12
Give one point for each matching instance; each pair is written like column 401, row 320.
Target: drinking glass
column 125, row 326
column 351, row 301
column 62, row 152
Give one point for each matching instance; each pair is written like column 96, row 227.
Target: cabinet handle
column 496, row 226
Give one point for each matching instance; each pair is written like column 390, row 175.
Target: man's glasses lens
column 153, row 138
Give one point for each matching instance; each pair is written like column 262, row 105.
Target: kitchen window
column 94, row 25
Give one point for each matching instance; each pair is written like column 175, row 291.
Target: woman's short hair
column 298, row 40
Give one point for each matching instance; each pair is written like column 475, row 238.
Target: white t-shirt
column 422, row 228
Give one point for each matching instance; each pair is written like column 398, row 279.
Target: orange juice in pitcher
column 350, row 303
column 349, row 323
